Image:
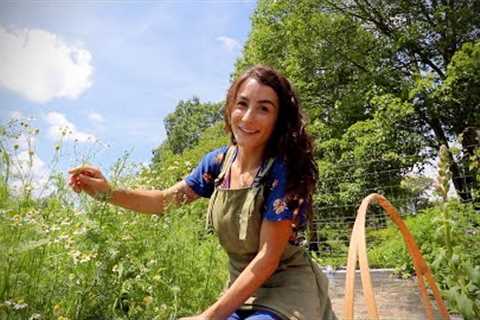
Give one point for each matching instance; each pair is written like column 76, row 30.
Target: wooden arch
column 358, row 250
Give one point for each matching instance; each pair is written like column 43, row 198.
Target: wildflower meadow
column 66, row 256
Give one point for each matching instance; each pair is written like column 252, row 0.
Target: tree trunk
column 470, row 143
column 458, row 178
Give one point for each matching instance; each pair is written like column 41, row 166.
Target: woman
column 260, row 189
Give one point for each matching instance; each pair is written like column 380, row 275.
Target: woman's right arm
column 90, row 180
column 153, row 201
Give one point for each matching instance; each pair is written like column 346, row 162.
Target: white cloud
column 59, row 124
column 96, row 117
column 30, row 171
column 38, row 65
column 229, row 43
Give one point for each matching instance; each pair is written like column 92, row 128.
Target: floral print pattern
column 202, row 182
column 207, row 177
column 279, row 206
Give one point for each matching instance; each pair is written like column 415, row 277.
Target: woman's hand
column 90, row 180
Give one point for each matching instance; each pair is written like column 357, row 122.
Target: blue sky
column 111, row 71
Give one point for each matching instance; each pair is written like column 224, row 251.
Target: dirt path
column 396, row 298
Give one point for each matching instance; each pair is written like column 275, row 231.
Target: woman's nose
column 248, row 115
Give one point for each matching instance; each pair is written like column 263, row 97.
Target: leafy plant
column 68, row 257
column 448, row 236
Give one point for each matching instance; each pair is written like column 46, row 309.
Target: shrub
column 458, row 275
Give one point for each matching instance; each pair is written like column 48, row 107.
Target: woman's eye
column 264, row 109
column 242, row 103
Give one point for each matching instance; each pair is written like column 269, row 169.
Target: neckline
column 228, row 175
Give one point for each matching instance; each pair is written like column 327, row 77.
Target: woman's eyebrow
column 268, row 102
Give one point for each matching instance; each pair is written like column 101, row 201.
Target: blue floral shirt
column 202, row 181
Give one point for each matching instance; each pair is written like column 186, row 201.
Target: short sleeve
column 202, row 178
column 276, row 208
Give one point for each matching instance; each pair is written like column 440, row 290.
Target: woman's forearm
column 274, row 237
column 153, row 201
column 144, row 201
column 251, row 278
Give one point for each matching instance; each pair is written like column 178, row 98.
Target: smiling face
column 254, row 114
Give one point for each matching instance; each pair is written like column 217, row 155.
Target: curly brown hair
column 289, row 141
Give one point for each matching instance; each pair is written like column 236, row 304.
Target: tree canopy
column 390, row 79
column 185, row 125
column 384, row 84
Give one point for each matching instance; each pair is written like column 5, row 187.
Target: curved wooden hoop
column 358, row 249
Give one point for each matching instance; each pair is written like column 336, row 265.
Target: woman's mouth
column 248, row 131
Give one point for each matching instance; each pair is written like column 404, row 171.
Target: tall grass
column 62, row 258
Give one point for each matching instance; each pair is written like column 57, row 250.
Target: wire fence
column 336, row 208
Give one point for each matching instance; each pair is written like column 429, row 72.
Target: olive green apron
column 298, row 289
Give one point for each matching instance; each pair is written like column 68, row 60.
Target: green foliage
column 447, row 235
column 371, row 156
column 380, row 81
column 460, row 92
column 172, row 168
column 444, row 174
column 17, row 156
column 350, row 60
column 65, row 257
column 333, row 249
column 474, row 167
column 103, row 262
column 185, row 125
column 320, row 53
column 456, row 273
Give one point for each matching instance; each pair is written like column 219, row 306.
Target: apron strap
column 252, row 195
column 227, row 162
column 249, row 204
column 263, row 171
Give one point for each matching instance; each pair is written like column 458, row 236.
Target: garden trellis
column 333, row 219
column 357, row 250
column 334, row 222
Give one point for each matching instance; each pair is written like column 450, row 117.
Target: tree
column 170, row 168
column 185, row 125
column 461, row 93
column 424, row 37
column 333, row 65
column 355, row 61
